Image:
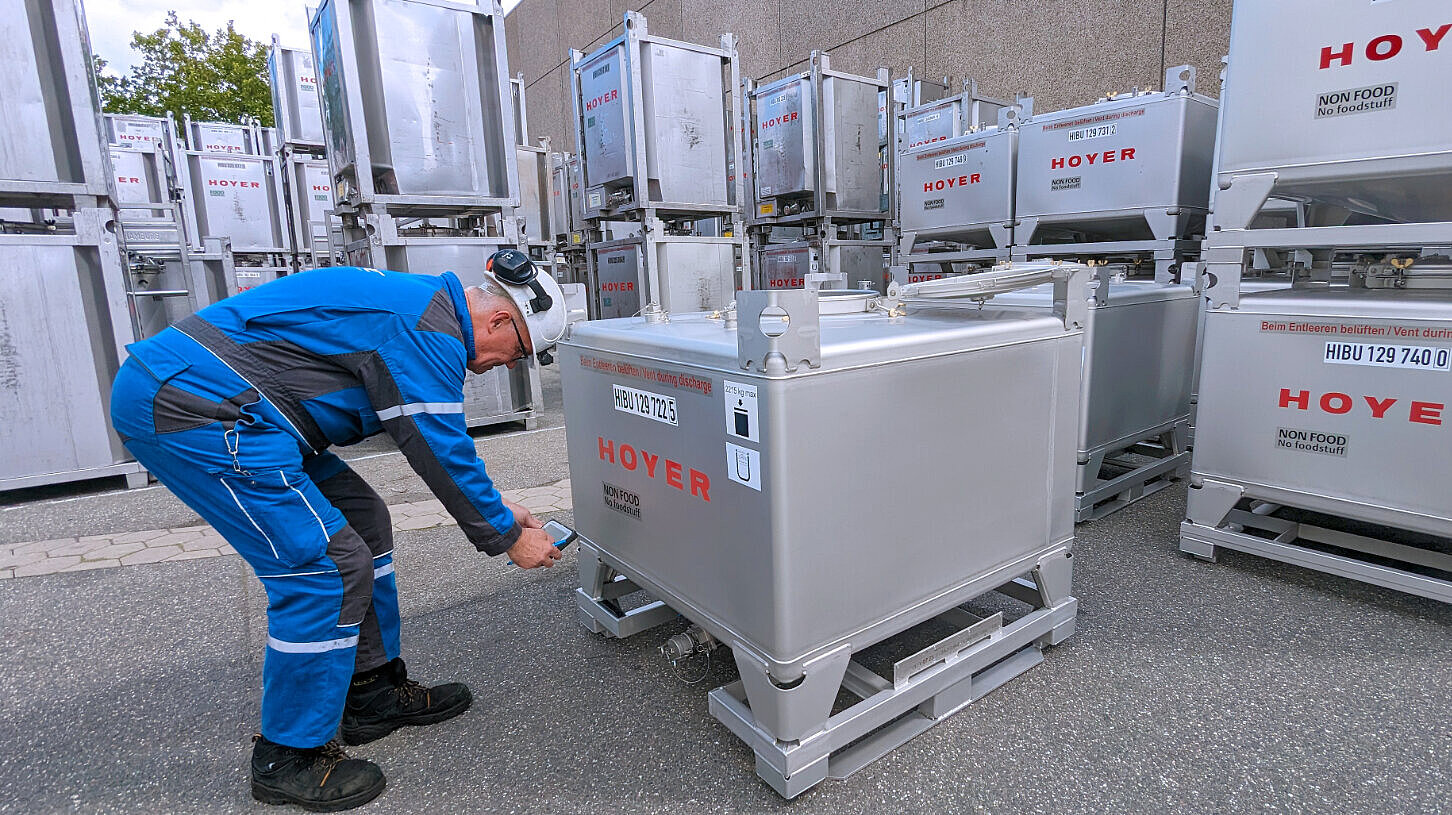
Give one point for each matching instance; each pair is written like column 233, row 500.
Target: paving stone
column 45, row 546
column 156, row 555
column 174, row 539
column 75, row 549
column 15, row 559
column 418, row 522
column 140, row 537
column 4, row 573
column 115, row 551
column 87, row 565
column 197, row 528
column 194, row 555
column 50, row 565
column 208, row 543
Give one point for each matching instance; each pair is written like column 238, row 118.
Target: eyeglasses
column 523, row 352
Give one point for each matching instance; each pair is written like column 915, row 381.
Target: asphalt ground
column 1241, row 686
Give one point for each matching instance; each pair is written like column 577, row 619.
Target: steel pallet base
column 1130, row 481
column 798, row 742
column 1288, row 542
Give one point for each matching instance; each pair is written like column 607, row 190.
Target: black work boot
column 384, row 699
column 320, row 779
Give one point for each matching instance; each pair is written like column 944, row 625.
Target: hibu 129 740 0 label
column 1378, row 355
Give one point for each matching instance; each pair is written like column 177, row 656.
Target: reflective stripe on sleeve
column 311, row 647
column 383, row 571
column 419, row 407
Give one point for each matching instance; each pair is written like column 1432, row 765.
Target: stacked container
column 232, row 190
column 955, row 178
column 421, row 145
column 1322, row 410
column 652, row 118
column 1126, row 178
column 307, row 185
column 64, row 313
column 820, row 194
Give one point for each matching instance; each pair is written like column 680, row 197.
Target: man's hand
column 522, row 514
column 533, row 549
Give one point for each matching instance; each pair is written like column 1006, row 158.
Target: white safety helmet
column 537, row 296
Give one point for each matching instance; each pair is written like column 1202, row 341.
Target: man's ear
column 497, row 320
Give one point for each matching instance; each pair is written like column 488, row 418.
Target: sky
column 112, row 21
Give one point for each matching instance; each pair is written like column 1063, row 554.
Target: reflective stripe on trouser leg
column 309, row 660
column 366, row 512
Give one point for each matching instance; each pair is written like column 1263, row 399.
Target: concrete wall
column 1063, row 52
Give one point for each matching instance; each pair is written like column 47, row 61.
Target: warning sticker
column 741, row 420
column 743, row 466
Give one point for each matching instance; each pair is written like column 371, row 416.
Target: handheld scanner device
column 563, row 535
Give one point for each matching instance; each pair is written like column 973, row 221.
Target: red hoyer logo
column 1382, row 48
column 1106, row 157
column 950, row 183
column 776, row 120
column 674, row 472
column 786, row 283
column 127, row 179
column 321, row 188
column 227, row 182
column 602, row 99
column 1338, row 404
column 628, row 285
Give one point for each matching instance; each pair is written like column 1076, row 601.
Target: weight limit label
column 1376, row 355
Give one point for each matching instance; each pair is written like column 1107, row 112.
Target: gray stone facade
column 1063, row 52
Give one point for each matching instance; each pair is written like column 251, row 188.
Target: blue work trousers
column 319, row 538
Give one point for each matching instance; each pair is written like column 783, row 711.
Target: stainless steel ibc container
column 416, row 103
column 1338, row 101
column 700, row 274
column 703, row 471
column 1139, row 366
column 787, row 115
column 66, row 323
column 238, row 197
column 51, row 142
column 1131, row 167
column 961, row 188
column 661, row 100
column 296, row 111
column 134, row 132
column 1345, row 412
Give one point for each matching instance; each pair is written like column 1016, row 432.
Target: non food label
column 949, row 161
column 1311, row 441
column 644, row 403
column 1095, row 132
column 1356, row 100
column 741, row 418
column 743, row 465
column 1072, row 182
column 621, row 500
column 1376, row 355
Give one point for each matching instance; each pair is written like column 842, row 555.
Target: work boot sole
column 354, row 735
column 357, row 799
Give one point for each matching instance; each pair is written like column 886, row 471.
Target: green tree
column 219, row 77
